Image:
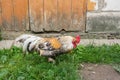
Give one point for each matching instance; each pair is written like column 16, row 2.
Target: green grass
column 14, row 66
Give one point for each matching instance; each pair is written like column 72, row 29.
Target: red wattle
column 74, row 44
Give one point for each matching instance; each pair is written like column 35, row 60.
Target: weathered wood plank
column 78, row 20
column 36, row 15
column 50, row 15
column 20, row 14
column 7, row 15
column 0, row 16
column 64, row 14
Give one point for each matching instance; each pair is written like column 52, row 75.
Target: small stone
column 90, row 68
column 82, row 65
column 93, row 72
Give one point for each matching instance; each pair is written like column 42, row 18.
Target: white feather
column 23, row 37
column 33, row 44
column 25, row 44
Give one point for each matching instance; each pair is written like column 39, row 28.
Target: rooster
column 50, row 47
column 66, row 44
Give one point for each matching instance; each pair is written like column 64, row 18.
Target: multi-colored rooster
column 50, row 47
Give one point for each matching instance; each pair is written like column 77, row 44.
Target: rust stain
column 90, row 5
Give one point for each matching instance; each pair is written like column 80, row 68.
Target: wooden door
column 57, row 15
column 43, row 15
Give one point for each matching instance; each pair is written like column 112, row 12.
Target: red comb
column 77, row 38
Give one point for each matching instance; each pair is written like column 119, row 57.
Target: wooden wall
column 43, row 15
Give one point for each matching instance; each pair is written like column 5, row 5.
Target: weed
column 99, row 54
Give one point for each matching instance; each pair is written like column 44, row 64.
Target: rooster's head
column 76, row 41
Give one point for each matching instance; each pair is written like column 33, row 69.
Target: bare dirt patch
column 99, row 72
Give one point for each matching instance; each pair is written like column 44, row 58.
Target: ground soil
column 99, row 72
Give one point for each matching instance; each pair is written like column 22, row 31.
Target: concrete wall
column 104, row 16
